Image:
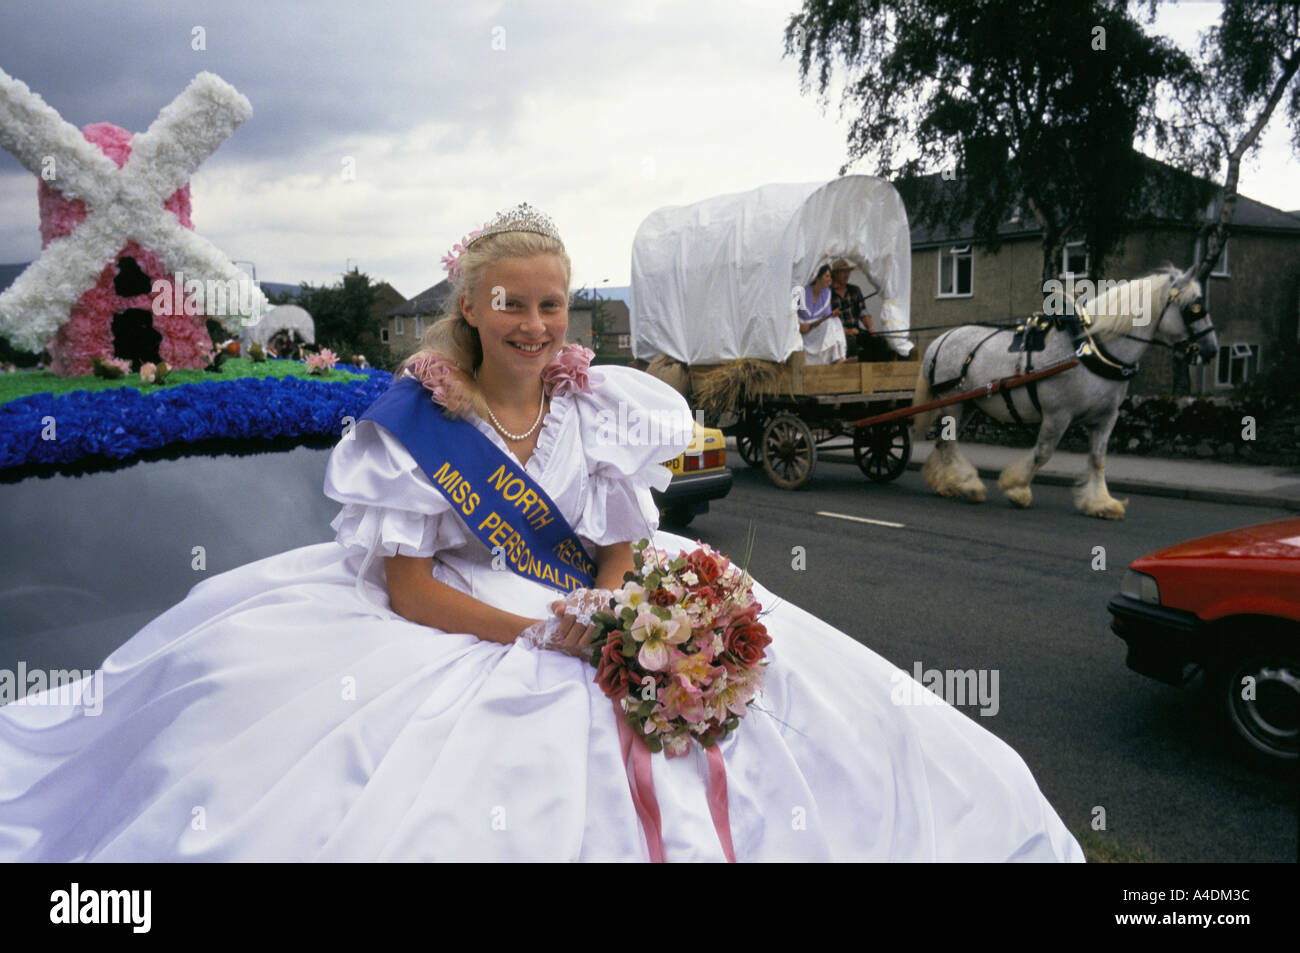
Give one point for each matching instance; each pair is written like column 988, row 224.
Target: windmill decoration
column 116, row 234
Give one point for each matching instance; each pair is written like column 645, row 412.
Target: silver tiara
column 522, row 218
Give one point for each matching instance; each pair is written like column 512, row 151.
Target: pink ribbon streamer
column 718, row 801
column 640, row 781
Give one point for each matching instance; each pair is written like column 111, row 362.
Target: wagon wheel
column 749, row 435
column 882, row 451
column 747, row 443
column 789, row 453
column 823, row 433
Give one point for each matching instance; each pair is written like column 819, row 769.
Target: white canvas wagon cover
column 714, row 281
column 284, row 317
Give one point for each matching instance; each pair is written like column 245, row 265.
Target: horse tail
column 924, row 420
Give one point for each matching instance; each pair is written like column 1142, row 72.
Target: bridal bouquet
column 681, row 649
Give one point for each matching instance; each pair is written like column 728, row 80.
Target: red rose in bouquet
column 705, row 566
column 613, row 673
column 747, row 643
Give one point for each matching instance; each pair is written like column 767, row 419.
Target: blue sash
column 497, row 501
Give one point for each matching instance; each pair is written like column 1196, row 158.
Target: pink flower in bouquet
column 696, row 668
column 732, row 694
column 148, row 371
column 681, row 699
column 656, row 636
column 653, row 558
column 676, row 745
column 658, row 723
column 569, row 370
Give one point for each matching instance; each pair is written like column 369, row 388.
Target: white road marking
column 860, row 519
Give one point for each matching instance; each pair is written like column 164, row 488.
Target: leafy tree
column 1248, row 65
column 599, row 320
column 342, row 316
column 1033, row 101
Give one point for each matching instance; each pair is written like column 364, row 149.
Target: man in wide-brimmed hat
column 849, row 303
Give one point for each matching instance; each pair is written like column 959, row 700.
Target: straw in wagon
column 726, row 388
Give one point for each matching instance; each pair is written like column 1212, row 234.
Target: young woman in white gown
column 287, row 711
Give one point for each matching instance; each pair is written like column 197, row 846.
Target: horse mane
column 1111, row 313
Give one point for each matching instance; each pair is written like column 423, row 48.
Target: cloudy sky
column 598, row 112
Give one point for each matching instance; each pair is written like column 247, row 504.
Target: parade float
column 123, row 294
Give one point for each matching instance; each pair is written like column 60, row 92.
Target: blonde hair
column 455, row 338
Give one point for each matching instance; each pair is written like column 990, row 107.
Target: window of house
column 419, row 325
column 1075, row 260
column 397, row 327
column 1237, row 362
column 383, row 335
column 1221, row 269
column 956, row 271
column 625, row 341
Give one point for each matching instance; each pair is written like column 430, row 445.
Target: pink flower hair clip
column 570, row 370
column 451, row 260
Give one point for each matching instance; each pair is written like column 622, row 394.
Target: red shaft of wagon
column 992, row 387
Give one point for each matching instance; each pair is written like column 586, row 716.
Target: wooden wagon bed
column 797, row 379
column 782, row 412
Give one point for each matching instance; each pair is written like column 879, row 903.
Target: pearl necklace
column 541, row 407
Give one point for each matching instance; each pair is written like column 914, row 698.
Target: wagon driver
column 823, row 334
column 849, row 303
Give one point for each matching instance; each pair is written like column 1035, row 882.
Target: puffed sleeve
column 390, row 508
column 631, row 425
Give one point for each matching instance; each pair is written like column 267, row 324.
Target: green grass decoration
column 25, row 383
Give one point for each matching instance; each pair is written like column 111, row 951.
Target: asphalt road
column 962, row 586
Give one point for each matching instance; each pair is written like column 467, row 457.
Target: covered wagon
column 714, row 304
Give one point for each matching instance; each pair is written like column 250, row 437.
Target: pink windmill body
column 115, row 318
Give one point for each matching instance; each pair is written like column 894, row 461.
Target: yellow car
column 699, row 475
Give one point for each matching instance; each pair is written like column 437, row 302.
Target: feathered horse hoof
column 1018, row 496
column 1107, row 509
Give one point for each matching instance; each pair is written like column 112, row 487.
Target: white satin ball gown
column 283, row 712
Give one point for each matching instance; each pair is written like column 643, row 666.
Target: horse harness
column 1030, row 335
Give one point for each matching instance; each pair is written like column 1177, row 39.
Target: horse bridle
column 1195, row 319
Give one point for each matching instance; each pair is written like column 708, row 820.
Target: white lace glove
column 580, row 604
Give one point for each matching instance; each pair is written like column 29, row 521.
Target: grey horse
column 1108, row 333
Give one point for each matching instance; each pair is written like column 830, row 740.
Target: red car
column 1227, row 604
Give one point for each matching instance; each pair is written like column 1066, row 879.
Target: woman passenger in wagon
column 823, row 334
